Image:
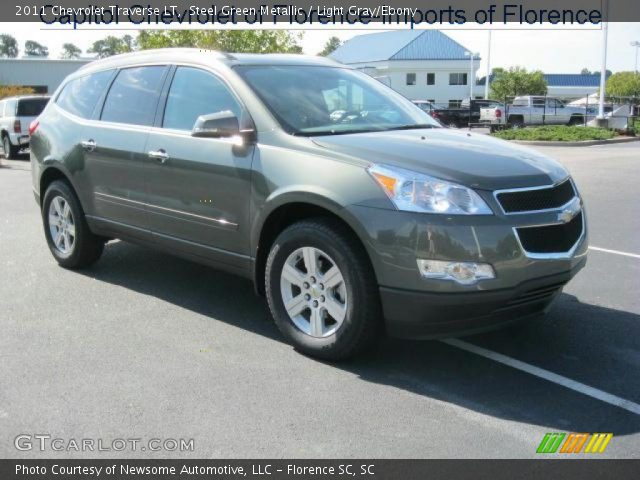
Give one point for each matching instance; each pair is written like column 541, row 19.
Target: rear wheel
column 576, row 120
column 71, row 242
column 10, row 152
column 516, row 122
column 321, row 290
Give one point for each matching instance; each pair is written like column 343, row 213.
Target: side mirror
column 216, row 125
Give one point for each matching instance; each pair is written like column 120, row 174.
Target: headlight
column 415, row 192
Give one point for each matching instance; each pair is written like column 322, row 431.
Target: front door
column 198, row 189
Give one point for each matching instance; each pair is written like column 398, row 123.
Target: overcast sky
column 555, row 50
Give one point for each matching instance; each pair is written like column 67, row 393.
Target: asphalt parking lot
column 144, row 345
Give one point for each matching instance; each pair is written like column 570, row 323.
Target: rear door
column 199, row 188
column 114, row 147
column 538, row 111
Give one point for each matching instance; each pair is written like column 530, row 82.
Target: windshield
column 31, row 107
column 318, row 100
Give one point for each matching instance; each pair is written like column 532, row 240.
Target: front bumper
column 417, row 307
column 411, row 314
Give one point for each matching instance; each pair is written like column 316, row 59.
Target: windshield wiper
column 415, row 126
column 321, row 133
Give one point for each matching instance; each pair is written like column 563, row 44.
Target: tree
column 517, row 81
column 239, row 41
column 585, row 71
column 35, row 49
column 624, row 84
column 332, row 44
column 69, row 50
column 111, row 45
column 8, row 46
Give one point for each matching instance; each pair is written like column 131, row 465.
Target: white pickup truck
column 532, row 110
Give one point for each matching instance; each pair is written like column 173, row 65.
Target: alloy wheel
column 313, row 292
column 62, row 225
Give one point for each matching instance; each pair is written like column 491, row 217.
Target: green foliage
column 111, row 45
column 623, row 84
column 13, row 90
column 8, row 46
column 69, row 50
column 517, row 81
column 561, row 133
column 585, row 71
column 35, row 49
column 332, row 44
column 239, row 41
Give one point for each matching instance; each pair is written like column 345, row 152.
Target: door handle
column 89, row 145
column 160, row 155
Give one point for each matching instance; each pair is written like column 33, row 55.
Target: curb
column 582, row 143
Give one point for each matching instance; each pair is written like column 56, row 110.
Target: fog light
column 465, row 273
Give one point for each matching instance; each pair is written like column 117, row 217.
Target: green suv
column 352, row 211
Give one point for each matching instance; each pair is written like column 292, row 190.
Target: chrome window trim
column 555, row 255
column 529, row 189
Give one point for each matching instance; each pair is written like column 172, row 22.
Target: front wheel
column 321, row 290
column 71, row 242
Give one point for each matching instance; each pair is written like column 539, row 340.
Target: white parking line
column 546, row 375
column 616, row 252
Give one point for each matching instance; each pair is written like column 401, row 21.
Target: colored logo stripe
column 550, row 443
column 598, row 442
column 574, row 442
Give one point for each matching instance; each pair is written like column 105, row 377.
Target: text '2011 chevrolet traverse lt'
column 348, row 206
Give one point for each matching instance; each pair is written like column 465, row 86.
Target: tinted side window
column 195, row 92
column 80, row 96
column 31, row 107
column 133, row 96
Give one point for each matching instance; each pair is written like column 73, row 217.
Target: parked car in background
column 427, row 107
column 352, row 223
column 468, row 113
column 532, row 110
column 424, row 105
column 16, row 115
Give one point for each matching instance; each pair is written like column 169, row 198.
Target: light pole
column 603, row 71
column 637, row 45
column 471, row 56
column 487, row 77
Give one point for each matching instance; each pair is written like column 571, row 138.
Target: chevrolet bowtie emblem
column 570, row 211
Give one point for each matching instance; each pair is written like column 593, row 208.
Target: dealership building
column 44, row 75
column 421, row 65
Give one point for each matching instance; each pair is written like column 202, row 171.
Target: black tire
column 10, row 152
column 573, row 121
column 516, row 122
column 361, row 325
column 87, row 247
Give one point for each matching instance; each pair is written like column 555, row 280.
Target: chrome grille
column 519, row 201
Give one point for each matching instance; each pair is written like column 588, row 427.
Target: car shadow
column 428, row 368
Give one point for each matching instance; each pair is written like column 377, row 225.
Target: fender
column 50, row 164
column 312, row 195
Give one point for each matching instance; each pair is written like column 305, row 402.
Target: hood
column 470, row 159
